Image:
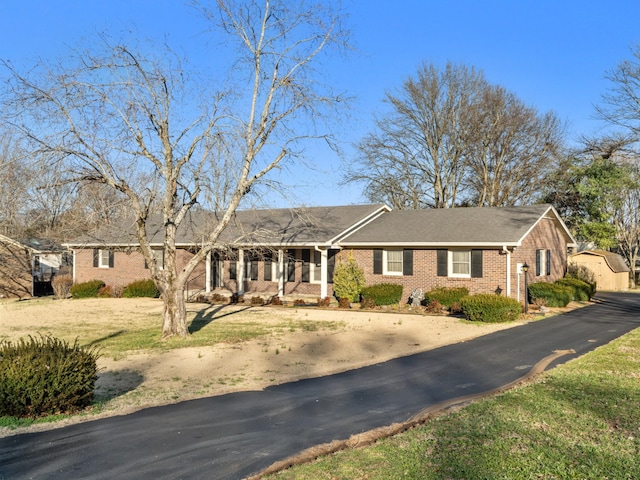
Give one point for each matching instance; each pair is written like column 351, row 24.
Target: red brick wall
column 128, row 266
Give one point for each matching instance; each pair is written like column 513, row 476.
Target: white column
column 280, row 273
column 207, row 274
column 508, row 288
column 240, row 272
column 324, row 274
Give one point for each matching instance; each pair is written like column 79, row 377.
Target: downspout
column 507, row 253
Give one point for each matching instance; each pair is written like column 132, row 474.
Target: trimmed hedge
column 88, row 289
column 553, row 294
column 141, row 288
column 582, row 291
column 45, row 376
column 490, row 308
column 446, row 296
column 383, row 293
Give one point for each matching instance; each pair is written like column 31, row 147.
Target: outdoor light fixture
column 525, row 269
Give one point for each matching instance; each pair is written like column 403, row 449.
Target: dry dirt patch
column 135, row 379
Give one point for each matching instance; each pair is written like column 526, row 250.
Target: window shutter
column 331, row 264
column 291, row 265
column 476, row 263
column 111, row 258
column 548, row 262
column 538, row 269
column 232, row 270
column 443, row 260
column 267, row 270
column 407, row 262
column 306, row 268
column 377, row 261
column 96, row 252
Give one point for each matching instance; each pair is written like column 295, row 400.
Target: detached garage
column 610, row 269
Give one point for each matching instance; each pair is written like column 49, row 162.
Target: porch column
column 240, row 272
column 324, row 264
column 280, row 273
column 207, row 274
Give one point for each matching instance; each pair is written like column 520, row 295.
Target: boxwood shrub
column 446, row 296
column 553, row 294
column 141, row 288
column 490, row 308
column 582, row 291
column 45, row 376
column 88, row 289
column 383, row 293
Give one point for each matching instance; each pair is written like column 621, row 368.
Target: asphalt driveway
column 233, row 436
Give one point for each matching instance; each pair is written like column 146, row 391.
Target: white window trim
column 543, row 263
column 315, row 268
column 385, row 262
column 101, row 253
column 450, row 265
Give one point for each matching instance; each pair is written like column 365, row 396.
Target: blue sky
column 553, row 54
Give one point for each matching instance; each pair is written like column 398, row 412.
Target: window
column 251, row 267
column 158, row 255
column 316, row 267
column 393, row 262
column 103, row 258
column 460, row 263
column 232, row 270
column 543, row 262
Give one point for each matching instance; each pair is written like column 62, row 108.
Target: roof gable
column 466, row 226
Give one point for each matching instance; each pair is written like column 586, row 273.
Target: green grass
column 579, row 421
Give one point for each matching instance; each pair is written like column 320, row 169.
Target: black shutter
column 111, row 258
column 254, row 269
column 548, row 262
column 267, row 269
column 331, row 264
column 476, row 263
column 96, row 254
column 377, row 261
column 306, row 267
column 232, row 270
column 291, row 265
column 443, row 260
column 538, row 269
column 407, row 262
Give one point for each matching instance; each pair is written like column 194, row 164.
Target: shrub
column 324, row 302
column 45, row 376
column 299, row 302
column 257, row 300
column 367, row 302
column 582, row 291
column 490, row 308
column 348, row 279
column 276, row 300
column 61, row 285
column 105, row 292
column 141, row 288
column 581, row 272
column 344, row 302
column 88, row 289
column 446, row 296
column 383, row 293
column 553, row 294
column 434, row 306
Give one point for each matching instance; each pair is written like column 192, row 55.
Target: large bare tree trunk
column 174, row 313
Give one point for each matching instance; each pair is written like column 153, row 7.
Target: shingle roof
column 455, row 226
column 281, row 226
column 616, row 262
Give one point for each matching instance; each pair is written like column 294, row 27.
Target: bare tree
column 15, row 178
column 424, row 138
column 511, row 150
column 126, row 120
column 621, row 104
